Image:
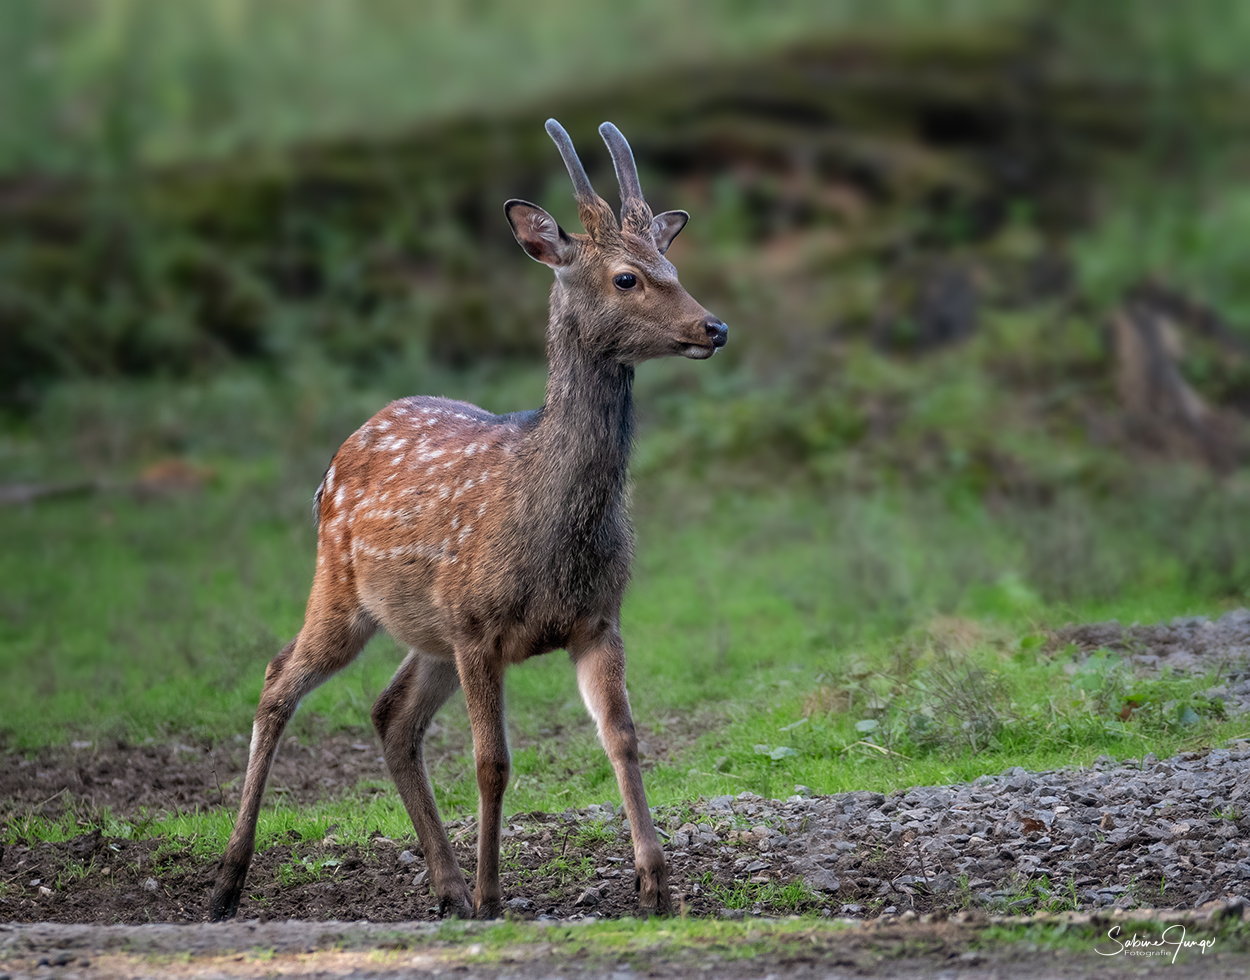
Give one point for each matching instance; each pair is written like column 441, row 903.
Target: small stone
column 804, row 791
column 822, row 881
column 519, row 903
column 421, row 879
column 45, row 891
column 407, row 857
column 588, row 899
column 150, row 885
column 1107, row 822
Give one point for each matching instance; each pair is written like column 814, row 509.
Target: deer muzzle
column 717, row 332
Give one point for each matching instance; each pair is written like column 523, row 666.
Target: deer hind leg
column 601, row 680
column 327, row 643
column 481, row 676
column 402, row 715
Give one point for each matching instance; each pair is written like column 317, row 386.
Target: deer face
column 623, row 293
column 627, row 301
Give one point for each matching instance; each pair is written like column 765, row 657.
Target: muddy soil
column 175, row 777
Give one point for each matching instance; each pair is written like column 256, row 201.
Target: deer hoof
column 490, row 909
column 651, row 884
column 225, row 901
column 457, row 905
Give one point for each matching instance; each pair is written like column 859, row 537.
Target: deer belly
column 400, row 596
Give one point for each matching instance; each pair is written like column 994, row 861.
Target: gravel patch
column 1187, row 646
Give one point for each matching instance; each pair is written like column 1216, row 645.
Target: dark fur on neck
column 576, row 466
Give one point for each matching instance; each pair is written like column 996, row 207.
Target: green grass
column 119, row 612
column 790, row 898
column 634, row 940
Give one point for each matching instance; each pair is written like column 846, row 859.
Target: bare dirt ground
column 174, row 777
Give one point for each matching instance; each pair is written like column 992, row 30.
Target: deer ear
column 540, row 236
column 664, row 228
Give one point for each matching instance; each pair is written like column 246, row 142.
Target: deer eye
column 626, row 280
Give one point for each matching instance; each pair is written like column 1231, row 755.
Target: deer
column 481, row 540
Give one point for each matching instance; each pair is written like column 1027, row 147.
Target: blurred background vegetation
column 983, row 261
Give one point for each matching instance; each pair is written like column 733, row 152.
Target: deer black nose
column 717, row 331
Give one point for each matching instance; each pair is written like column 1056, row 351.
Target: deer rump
column 480, row 540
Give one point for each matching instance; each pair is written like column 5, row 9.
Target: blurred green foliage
column 339, row 165
column 91, row 87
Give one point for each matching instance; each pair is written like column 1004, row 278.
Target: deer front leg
column 401, row 715
column 481, row 676
column 601, row 679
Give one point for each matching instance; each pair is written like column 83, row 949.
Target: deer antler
column 635, row 214
column 581, row 183
column 596, row 215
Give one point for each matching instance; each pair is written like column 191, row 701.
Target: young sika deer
column 480, row 540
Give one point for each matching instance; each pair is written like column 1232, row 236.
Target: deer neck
column 582, row 440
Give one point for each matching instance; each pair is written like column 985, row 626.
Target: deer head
column 616, row 295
